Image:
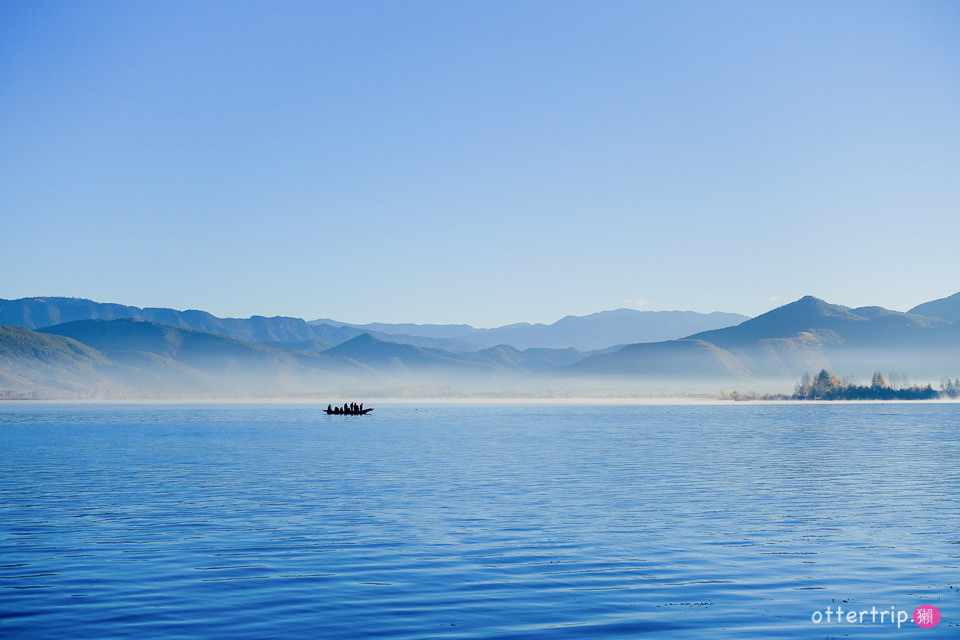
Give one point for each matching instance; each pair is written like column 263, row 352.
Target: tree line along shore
column 826, row 386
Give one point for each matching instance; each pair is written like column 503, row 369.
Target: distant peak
column 813, row 303
column 504, row 347
column 364, row 338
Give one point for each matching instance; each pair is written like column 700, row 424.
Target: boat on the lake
column 349, row 409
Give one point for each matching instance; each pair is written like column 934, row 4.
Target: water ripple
column 257, row 521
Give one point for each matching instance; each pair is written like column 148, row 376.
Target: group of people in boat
column 348, row 409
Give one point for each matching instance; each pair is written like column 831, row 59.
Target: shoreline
column 465, row 401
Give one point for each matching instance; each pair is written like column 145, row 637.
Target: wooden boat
column 337, row 411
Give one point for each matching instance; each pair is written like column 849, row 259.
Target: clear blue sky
column 479, row 162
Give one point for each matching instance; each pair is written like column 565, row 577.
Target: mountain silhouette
column 198, row 349
column 805, row 335
column 674, row 359
column 945, row 308
column 584, row 333
column 810, row 314
column 38, row 365
column 129, row 357
column 37, row 313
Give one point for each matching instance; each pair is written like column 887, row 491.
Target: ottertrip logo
column 926, row 616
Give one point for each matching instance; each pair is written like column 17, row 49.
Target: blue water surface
column 469, row 522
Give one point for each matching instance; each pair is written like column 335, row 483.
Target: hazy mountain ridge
column 198, row 349
column 809, row 314
column 585, row 333
column 686, row 358
column 607, row 328
column 41, row 312
column 369, row 350
column 35, row 364
column 805, row 335
column 140, row 358
column 37, row 313
column 135, row 358
column 944, row 308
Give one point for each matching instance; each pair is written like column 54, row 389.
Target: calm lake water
column 467, row 522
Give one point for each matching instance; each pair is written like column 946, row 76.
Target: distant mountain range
column 593, row 332
column 945, row 308
column 586, row 333
column 92, row 349
column 37, row 313
column 806, row 335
